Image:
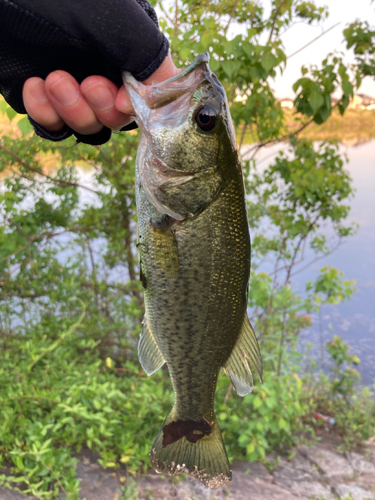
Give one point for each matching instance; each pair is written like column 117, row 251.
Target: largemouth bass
column 194, row 249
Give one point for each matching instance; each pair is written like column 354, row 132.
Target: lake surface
column 353, row 320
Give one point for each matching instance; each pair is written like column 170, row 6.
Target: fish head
column 188, row 140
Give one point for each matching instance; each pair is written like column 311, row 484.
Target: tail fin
column 200, row 451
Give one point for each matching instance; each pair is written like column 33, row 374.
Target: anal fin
column 237, row 368
column 149, row 353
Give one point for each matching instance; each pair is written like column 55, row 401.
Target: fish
column 194, row 246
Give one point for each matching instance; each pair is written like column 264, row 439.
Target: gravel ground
column 319, row 472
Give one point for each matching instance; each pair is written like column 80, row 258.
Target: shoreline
column 353, row 128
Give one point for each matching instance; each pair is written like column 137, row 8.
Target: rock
column 370, row 449
column 367, row 481
column 300, row 477
column 192, row 489
column 332, row 465
column 298, row 469
column 254, row 469
column 96, row 483
column 245, row 487
column 6, row 494
column 360, row 464
column 355, row 490
column 155, row 487
column 309, row 489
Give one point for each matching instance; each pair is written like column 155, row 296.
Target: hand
column 85, row 108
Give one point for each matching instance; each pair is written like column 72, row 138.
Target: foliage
column 289, row 202
column 63, row 249
column 344, row 379
column 267, row 420
column 339, row 394
column 130, row 491
column 72, row 399
column 361, row 37
column 70, row 298
column 330, row 288
column 246, row 63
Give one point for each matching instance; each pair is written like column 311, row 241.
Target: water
column 353, row 320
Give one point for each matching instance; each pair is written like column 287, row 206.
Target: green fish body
column 194, row 249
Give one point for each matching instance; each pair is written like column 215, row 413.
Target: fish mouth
column 201, row 59
column 160, row 94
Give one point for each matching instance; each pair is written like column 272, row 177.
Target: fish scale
column 194, row 249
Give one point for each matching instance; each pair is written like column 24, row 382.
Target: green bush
column 72, row 399
column 265, row 421
column 340, row 394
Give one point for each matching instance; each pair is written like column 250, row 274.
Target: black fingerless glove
column 82, row 37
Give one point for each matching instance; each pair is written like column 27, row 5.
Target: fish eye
column 205, row 116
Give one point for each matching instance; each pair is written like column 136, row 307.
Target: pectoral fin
column 237, row 368
column 165, row 248
column 149, row 353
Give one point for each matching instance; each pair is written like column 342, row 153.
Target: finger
column 100, row 93
column 64, row 93
column 38, row 107
column 123, row 102
column 166, row 70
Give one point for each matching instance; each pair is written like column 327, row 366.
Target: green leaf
column 3, row 105
column 257, row 402
column 268, row 61
column 282, row 423
column 185, row 54
column 25, row 126
column 347, row 87
column 11, row 113
column 316, row 100
column 206, row 39
column 214, row 64
column 231, row 67
column 248, row 49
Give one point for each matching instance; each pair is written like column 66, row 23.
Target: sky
column 340, row 11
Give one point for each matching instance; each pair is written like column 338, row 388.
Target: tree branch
column 32, row 239
column 243, row 135
column 274, row 22
column 314, row 40
column 231, row 16
column 319, row 258
column 37, row 171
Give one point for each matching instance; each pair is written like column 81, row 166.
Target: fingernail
column 99, row 97
column 63, row 90
column 38, row 92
